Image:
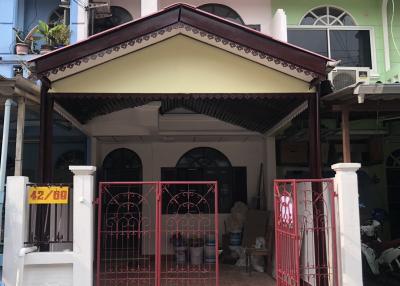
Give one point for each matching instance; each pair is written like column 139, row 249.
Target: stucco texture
column 367, row 13
column 181, row 65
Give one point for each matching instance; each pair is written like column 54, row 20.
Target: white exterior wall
column 23, row 266
column 155, row 155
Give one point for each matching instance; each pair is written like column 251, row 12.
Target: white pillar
column 79, row 21
column 148, row 7
column 83, row 224
column 270, row 167
column 14, row 229
column 19, row 142
column 349, row 243
column 279, row 25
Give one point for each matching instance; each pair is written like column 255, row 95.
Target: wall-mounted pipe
column 4, row 151
column 385, row 34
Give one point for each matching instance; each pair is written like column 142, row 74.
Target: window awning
column 365, row 98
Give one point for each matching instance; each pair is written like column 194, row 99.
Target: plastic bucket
column 209, row 254
column 235, row 238
column 196, row 255
column 180, row 254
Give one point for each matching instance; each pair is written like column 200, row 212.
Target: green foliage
column 23, row 38
column 54, row 36
column 60, row 34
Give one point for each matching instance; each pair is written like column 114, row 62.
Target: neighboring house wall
column 366, row 14
column 394, row 40
column 38, row 10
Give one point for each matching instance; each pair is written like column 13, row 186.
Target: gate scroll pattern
column 138, row 223
column 305, row 232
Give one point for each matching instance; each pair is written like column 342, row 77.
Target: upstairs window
column 223, row 12
column 333, row 33
column 102, row 21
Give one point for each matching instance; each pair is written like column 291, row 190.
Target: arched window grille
column 203, row 157
column 333, row 32
column 328, row 16
column 222, row 11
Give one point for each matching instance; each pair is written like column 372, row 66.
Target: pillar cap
column 82, row 170
column 346, row 167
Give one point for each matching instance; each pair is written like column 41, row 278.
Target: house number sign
column 48, row 195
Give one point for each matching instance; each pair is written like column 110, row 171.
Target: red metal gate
column 305, row 232
column 157, row 233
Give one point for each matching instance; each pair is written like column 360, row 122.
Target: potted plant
column 196, row 250
column 44, row 30
column 180, row 247
column 24, row 43
column 54, row 37
column 60, row 34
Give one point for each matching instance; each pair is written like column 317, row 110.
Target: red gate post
column 297, row 232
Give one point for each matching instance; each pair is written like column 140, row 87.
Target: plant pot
column 209, row 254
column 44, row 49
column 180, row 254
column 196, row 255
column 21, row 49
column 235, row 238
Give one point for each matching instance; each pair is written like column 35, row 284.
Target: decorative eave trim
column 144, row 41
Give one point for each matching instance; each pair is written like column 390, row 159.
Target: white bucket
column 180, row 254
column 196, row 255
column 209, row 254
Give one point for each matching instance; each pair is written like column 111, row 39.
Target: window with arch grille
column 226, row 12
column 222, row 11
column 333, row 32
column 209, row 164
column 118, row 16
column 328, row 16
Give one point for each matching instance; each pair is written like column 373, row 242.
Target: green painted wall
column 365, row 12
column 394, row 39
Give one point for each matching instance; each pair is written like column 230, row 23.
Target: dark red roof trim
column 181, row 13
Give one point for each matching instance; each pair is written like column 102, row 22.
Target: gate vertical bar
column 331, row 190
column 296, row 235
column 158, row 235
column 99, row 205
column 216, row 226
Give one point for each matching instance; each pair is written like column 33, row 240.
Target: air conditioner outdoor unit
column 342, row 77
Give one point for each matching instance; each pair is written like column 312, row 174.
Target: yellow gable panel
column 180, row 65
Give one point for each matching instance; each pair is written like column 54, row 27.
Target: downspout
column 4, row 150
column 385, row 34
column 21, row 267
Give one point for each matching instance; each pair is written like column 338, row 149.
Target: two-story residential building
column 149, row 90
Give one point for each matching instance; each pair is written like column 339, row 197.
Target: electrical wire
column 391, row 30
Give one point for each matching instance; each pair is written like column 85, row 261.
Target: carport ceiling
column 253, row 112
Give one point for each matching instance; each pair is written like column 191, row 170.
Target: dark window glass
column 118, row 16
column 309, row 19
column 207, row 164
column 320, row 11
column 313, row 40
column 353, row 48
column 223, row 12
column 203, row 157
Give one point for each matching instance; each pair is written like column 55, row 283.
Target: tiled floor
column 236, row 276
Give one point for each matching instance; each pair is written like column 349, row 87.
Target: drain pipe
column 21, row 267
column 4, row 151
